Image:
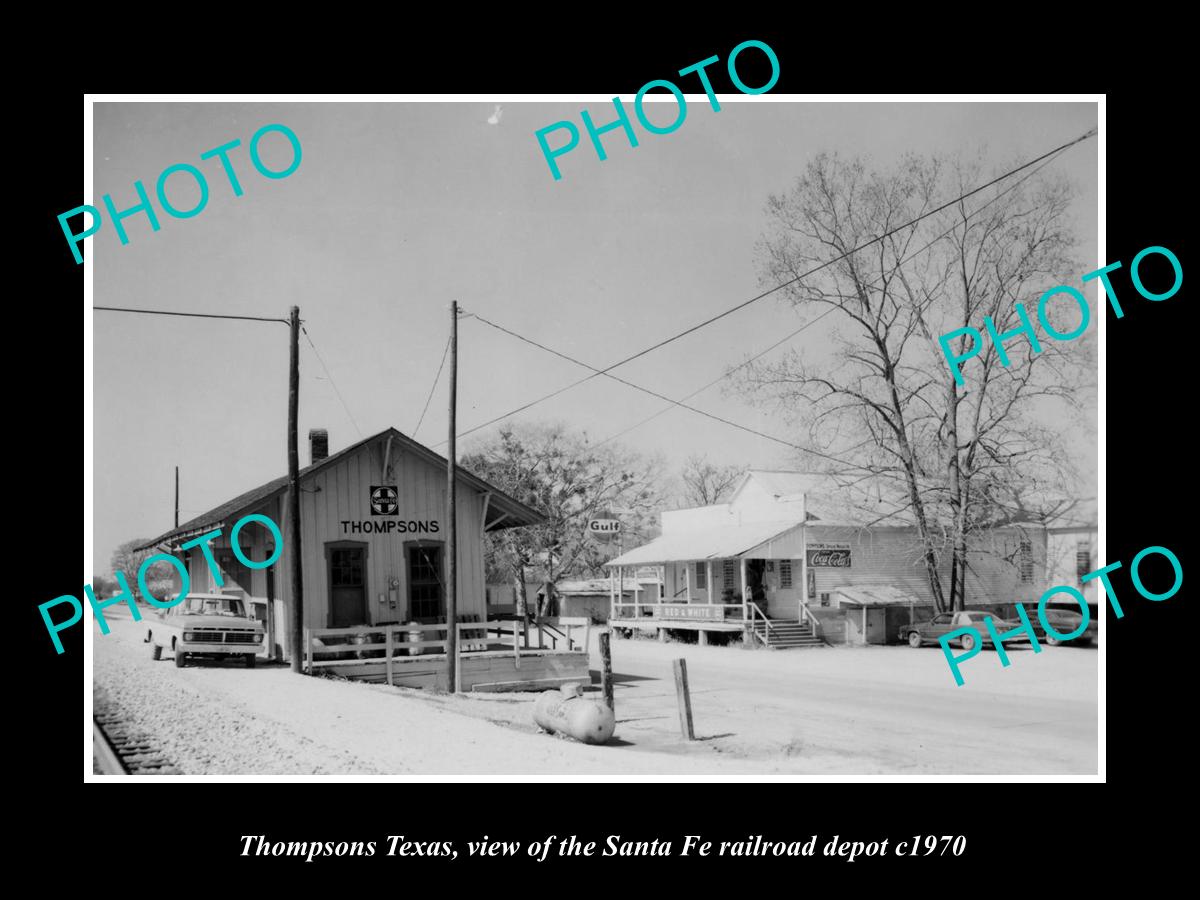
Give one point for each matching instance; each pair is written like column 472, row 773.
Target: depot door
column 347, row 585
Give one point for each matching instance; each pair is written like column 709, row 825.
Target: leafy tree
column 562, row 475
column 161, row 577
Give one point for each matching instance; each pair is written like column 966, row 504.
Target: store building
column 785, row 564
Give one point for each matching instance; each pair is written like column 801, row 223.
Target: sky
column 396, row 209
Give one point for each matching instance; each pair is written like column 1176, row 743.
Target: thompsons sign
column 829, row 556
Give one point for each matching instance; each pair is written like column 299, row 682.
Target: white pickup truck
column 204, row 625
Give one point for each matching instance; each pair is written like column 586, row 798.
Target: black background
column 1015, row 830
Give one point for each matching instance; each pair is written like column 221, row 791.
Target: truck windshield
column 212, row 606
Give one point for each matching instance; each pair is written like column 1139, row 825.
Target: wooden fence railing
column 325, row 647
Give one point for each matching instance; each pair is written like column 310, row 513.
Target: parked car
column 920, row 633
column 205, row 625
column 1064, row 621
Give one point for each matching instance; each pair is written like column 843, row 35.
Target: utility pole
column 451, row 535
column 296, row 638
column 177, row 496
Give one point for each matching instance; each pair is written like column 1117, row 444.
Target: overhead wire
column 433, row 387
column 781, row 286
column 167, row 312
column 331, row 381
column 816, row 319
column 683, row 404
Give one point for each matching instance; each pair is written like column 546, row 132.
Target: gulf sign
column 604, row 527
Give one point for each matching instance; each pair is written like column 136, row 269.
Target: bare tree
column 705, row 483
column 880, row 407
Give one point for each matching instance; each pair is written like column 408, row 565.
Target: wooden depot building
column 372, row 558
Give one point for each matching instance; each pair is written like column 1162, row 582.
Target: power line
column 432, row 387
column 682, row 403
column 817, row 319
column 779, row 287
column 654, row 393
column 165, row 312
column 331, row 381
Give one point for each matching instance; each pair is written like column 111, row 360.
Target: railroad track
column 119, row 749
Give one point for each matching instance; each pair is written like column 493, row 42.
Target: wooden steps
column 787, row 635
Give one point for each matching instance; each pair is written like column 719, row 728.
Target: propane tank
column 566, row 712
column 414, row 637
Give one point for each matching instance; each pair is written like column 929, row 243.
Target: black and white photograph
column 678, row 437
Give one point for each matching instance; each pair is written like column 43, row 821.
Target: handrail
column 813, row 620
column 756, row 611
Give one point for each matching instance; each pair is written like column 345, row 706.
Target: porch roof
column 714, row 542
column 878, row 595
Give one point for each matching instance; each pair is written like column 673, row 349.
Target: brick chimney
column 318, row 444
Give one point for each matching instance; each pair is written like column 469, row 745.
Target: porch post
column 708, row 578
column 612, row 595
column 745, row 592
column 803, row 568
column 687, row 579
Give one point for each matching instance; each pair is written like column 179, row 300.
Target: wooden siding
column 890, row 556
column 341, row 492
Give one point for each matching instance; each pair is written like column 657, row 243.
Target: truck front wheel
column 180, row 658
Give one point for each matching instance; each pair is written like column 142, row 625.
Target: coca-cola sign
column 829, row 556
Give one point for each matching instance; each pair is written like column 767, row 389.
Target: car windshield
column 215, row 606
column 1062, row 615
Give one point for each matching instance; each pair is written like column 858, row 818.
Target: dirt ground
column 824, row 711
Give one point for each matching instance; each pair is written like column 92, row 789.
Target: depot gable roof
column 505, row 511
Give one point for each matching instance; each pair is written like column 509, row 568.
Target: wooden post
column 685, row 700
column 458, row 655
column 451, row 520
column 307, row 649
column 612, row 594
column 389, row 651
column 293, row 499
column 804, row 598
column 745, row 590
column 177, row 496
column 708, row 578
column 606, row 668
column 702, row 638
column 687, row 579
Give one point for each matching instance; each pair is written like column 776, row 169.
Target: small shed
column 592, row 597
column 874, row 614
